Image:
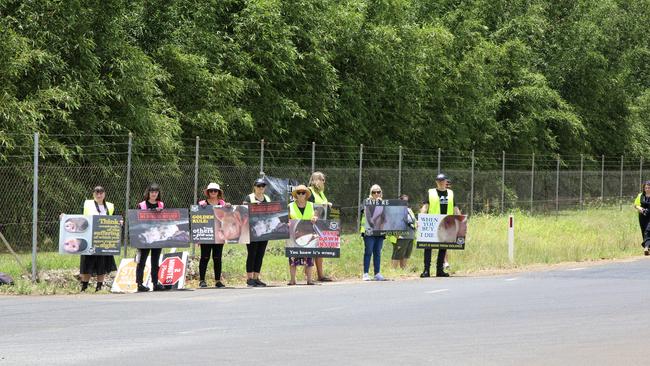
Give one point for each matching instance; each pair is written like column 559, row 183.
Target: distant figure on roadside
column 96, row 265
column 642, row 205
column 439, row 201
column 372, row 243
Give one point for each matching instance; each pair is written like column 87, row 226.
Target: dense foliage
column 564, row 76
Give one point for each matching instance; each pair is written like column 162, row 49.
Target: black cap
column 259, row 182
column 441, row 177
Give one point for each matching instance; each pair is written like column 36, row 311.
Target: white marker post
column 511, row 238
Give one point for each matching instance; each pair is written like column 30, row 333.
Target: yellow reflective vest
column 434, row 202
column 91, row 209
column 295, row 214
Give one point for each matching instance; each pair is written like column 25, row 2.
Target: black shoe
column 219, row 284
column 99, row 286
column 646, row 251
column 259, row 283
column 143, row 288
column 442, row 274
column 425, row 274
column 84, row 286
column 158, row 287
column 251, row 283
column 202, row 284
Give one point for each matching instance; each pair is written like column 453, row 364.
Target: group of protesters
column 439, row 200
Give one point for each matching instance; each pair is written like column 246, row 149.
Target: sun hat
column 300, row 188
column 212, row 186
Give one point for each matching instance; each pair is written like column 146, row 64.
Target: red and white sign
column 172, row 270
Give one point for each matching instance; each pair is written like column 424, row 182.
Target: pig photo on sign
column 230, row 223
column 270, row 225
column 163, row 233
column 451, row 227
column 75, row 225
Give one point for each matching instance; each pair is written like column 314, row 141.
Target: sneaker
column 379, row 277
column 143, row 288
column 425, row 274
column 202, row 284
column 445, row 265
column 219, row 284
column 366, row 277
column 259, row 283
column 646, row 251
column 159, row 287
column 251, row 283
column 442, row 274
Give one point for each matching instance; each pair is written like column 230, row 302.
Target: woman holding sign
column 317, row 196
column 373, row 243
column 214, row 197
column 256, row 249
column 152, row 201
column 96, row 265
column 301, row 209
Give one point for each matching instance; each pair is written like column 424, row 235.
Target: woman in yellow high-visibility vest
column 301, row 209
column 642, row 205
column 317, row 190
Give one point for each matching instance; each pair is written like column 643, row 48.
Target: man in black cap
column 439, row 200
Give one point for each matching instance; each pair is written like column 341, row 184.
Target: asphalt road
column 597, row 315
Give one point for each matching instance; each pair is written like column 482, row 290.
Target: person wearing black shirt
column 642, row 205
column 444, row 199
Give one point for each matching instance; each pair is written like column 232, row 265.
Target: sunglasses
column 301, row 193
column 260, row 185
column 376, row 192
column 213, row 190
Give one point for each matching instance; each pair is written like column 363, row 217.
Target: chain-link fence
column 484, row 183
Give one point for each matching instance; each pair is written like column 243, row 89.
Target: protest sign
column 441, row 231
column 231, row 225
column 386, row 217
column 202, row 223
column 124, row 281
column 268, row 221
column 172, row 270
column 307, row 239
column 159, row 229
column 90, row 234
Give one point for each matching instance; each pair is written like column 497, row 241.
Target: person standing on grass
column 372, row 243
column 256, row 249
column 317, row 190
column 96, row 265
column 152, row 201
column 642, row 205
column 214, row 197
column 403, row 245
column 301, row 209
column 439, row 200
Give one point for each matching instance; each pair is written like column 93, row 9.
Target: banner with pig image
column 168, row 228
column 441, row 231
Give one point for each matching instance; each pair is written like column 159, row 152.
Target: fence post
column 557, row 186
column 532, row 182
column 602, row 179
column 196, row 181
column 582, row 164
column 399, row 173
column 262, row 157
column 471, row 194
column 439, row 152
column 620, row 195
column 503, row 179
column 35, row 210
column 313, row 156
column 128, row 194
column 360, row 182
column 641, row 171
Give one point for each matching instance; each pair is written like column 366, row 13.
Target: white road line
column 437, row 291
column 512, row 279
column 576, row 269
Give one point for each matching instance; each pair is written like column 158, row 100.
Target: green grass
column 572, row 236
